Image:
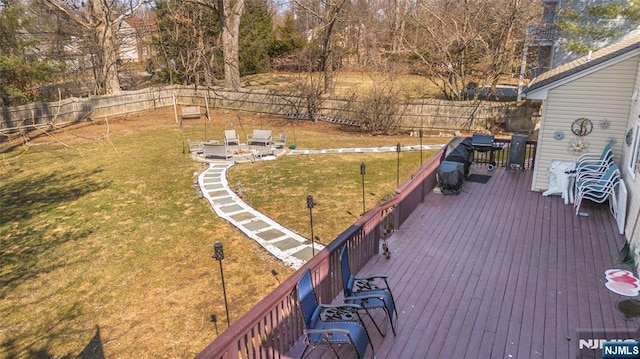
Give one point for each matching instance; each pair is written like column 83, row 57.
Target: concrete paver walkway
column 288, row 246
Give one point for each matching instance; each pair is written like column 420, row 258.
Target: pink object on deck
column 622, row 282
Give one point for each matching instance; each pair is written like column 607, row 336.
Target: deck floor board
column 499, row 271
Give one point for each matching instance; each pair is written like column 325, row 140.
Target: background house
column 545, row 40
column 135, row 36
column 601, row 92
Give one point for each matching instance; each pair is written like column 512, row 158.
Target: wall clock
column 582, row 127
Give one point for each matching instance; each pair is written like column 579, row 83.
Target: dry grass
column 106, row 244
column 333, row 180
column 348, row 83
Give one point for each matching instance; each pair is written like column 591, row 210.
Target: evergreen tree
column 586, row 26
column 256, row 37
column 21, row 71
column 288, row 38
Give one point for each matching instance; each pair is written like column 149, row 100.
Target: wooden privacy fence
column 413, row 115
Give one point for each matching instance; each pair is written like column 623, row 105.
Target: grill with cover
column 450, row 177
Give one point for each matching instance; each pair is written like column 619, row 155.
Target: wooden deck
column 499, row 271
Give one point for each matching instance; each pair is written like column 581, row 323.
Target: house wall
column 128, row 43
column 561, row 55
column 602, row 95
column 632, row 182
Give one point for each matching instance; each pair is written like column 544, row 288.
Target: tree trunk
column 230, row 26
column 328, row 73
column 99, row 20
column 106, row 51
column 105, row 66
column 327, row 45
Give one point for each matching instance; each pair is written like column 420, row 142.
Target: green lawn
column 104, row 236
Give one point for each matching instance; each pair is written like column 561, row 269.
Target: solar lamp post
column 421, row 135
column 310, row 205
column 398, row 149
column 363, row 171
column 218, row 254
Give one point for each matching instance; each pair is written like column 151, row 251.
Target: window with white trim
column 634, row 157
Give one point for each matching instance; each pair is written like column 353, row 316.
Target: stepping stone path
column 363, row 150
column 290, row 247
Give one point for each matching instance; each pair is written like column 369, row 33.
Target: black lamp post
column 218, row 254
column 363, row 170
column 421, row 134
column 398, row 149
column 310, row 205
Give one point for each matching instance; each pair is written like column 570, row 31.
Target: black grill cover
column 450, row 177
column 460, row 150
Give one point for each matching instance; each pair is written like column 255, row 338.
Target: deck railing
column 274, row 325
column 501, row 154
column 543, row 33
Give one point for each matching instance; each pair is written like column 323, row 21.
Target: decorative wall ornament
column 612, row 141
column 629, row 137
column 582, row 127
column 578, row 146
column 604, row 124
column 558, row 135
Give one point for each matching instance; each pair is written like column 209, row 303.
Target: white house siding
column 128, row 44
column 632, row 231
column 601, row 95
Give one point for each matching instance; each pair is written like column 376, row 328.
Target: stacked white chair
column 589, row 165
column 592, row 167
column 599, row 189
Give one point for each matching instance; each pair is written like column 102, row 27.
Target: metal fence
column 501, row 154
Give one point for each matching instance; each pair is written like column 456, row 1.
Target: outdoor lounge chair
column 231, row 138
column 320, row 331
column 369, row 293
column 281, row 142
column 215, row 151
column 195, row 146
column 260, row 137
column 599, row 189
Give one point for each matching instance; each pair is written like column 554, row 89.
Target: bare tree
column 100, row 21
column 400, row 11
column 187, row 42
column 380, row 110
column 459, row 42
column 229, row 13
column 327, row 13
column 365, row 33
